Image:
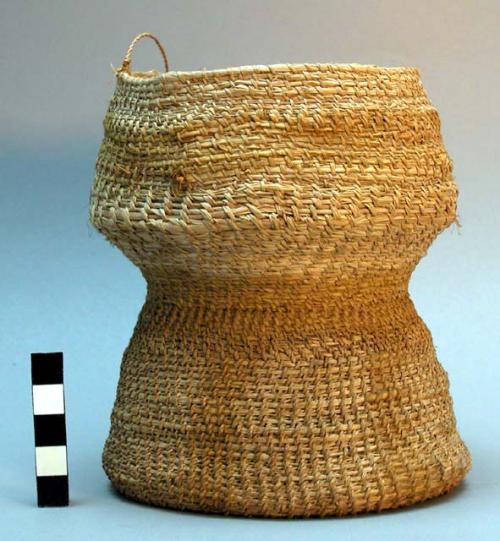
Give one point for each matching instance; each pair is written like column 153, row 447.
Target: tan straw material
column 278, row 366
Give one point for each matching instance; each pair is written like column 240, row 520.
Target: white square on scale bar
column 51, row 460
column 48, row 399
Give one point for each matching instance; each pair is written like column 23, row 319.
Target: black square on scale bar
column 46, row 368
column 52, row 491
column 50, row 430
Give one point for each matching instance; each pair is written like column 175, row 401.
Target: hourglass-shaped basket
column 278, row 366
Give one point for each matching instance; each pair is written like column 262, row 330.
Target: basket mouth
column 144, row 77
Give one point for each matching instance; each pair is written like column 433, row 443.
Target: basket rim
column 138, row 76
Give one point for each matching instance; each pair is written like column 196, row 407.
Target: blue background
column 63, row 288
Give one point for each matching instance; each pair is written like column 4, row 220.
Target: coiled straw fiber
column 278, row 366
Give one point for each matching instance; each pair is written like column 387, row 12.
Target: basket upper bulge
column 233, row 171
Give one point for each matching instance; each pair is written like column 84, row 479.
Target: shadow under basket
column 278, row 366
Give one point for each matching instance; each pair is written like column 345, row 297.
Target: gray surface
column 64, row 288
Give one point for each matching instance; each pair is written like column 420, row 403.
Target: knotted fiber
column 278, row 366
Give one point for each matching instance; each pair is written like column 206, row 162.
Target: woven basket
column 278, row 366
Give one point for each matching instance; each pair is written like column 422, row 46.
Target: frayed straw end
column 457, row 222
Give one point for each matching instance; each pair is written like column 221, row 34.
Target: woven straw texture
column 278, row 366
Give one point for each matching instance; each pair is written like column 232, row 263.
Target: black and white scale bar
column 50, row 429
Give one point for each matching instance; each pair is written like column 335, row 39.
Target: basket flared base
column 283, row 413
column 400, row 479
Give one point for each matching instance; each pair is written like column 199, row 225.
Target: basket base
column 388, row 484
column 277, row 414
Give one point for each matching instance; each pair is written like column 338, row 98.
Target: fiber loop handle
column 128, row 56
